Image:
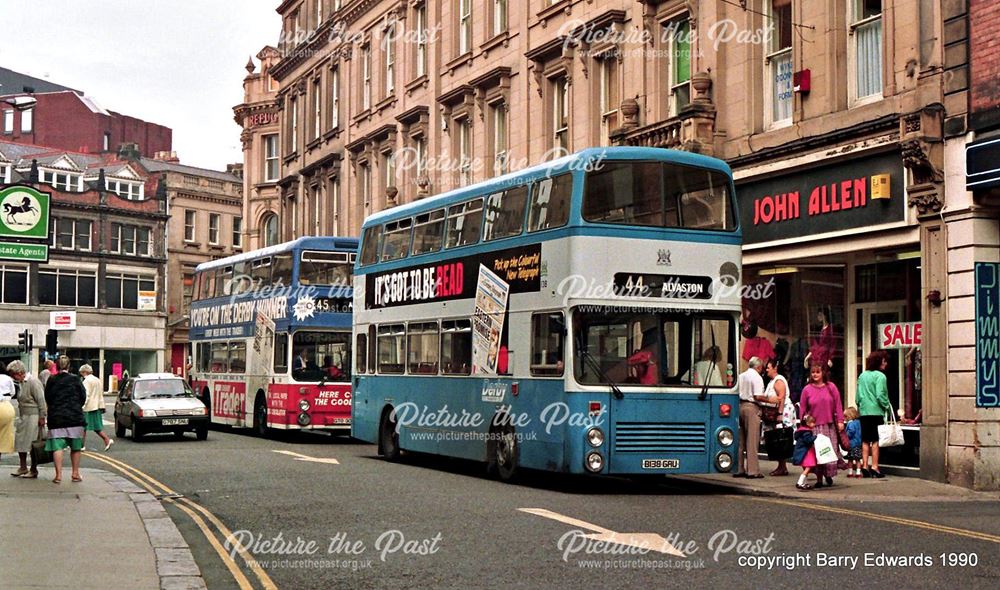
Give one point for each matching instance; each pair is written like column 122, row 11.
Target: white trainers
column 111, row 441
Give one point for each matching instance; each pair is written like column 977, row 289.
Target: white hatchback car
column 159, row 402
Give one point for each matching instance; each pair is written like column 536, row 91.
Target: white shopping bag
column 890, row 434
column 824, row 450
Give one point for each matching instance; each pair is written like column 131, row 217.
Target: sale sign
column 900, row 335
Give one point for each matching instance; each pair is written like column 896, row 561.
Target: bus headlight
column 595, row 437
column 304, row 419
column 723, row 461
column 594, row 462
column 304, row 405
column 726, row 437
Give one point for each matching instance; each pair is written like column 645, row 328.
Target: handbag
column 769, row 414
column 890, row 434
column 39, row 456
column 844, row 440
column 779, row 443
column 824, row 450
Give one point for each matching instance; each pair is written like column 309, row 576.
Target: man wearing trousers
column 751, row 387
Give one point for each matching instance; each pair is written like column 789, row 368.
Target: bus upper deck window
column 550, row 199
column 465, row 221
column 428, row 232
column 504, row 213
column 396, row 242
column 281, row 270
column 371, row 245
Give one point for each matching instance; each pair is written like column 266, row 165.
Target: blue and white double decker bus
column 579, row 316
column 271, row 336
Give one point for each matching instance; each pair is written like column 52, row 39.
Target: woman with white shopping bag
column 873, row 404
column 821, row 399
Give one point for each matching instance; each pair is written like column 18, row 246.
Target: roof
column 12, row 82
column 312, row 242
column 154, row 165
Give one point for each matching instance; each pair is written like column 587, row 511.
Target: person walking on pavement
column 31, row 419
column 873, row 404
column 751, row 388
column 776, row 393
column 7, row 418
column 93, row 409
column 46, row 372
column 65, row 396
column 821, row 399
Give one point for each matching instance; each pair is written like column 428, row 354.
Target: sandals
column 77, row 479
column 756, row 476
column 57, row 480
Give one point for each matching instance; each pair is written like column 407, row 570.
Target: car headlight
column 595, row 437
column 723, row 461
column 198, row 411
column 147, row 413
column 594, row 462
column 726, row 437
column 304, row 405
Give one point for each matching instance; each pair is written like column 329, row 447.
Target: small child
column 853, row 429
column 805, row 454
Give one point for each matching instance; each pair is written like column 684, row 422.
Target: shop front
column 836, row 258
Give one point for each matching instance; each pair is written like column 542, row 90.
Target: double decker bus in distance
column 270, row 333
column 578, row 316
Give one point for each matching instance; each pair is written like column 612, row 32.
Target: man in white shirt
column 751, row 388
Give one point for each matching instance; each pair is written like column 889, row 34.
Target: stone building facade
column 845, row 124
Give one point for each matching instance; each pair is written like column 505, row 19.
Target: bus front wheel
column 260, row 417
column 503, row 453
column 388, row 437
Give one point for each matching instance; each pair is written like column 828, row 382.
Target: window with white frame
column 465, row 151
column 334, row 98
column 389, row 169
column 679, row 39
column 13, row 284
column 107, row 141
column 317, row 125
column 335, row 205
column 8, row 121
column 866, row 47
column 62, row 180
column 271, row 166
column 389, row 47
column 214, row 221
column 317, row 206
column 270, row 227
column 560, row 112
column 366, row 78
column 27, row 121
column 189, row 218
column 464, row 26
column 72, row 234
column 5, row 173
column 294, row 126
column 610, row 102
column 123, row 290
column 319, row 13
column 421, row 19
column 420, row 144
column 778, row 62
column 130, row 240
column 499, row 16
column 237, row 232
column 133, row 191
column 68, row 288
column 498, row 117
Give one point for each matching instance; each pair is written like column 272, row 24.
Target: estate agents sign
column 24, row 213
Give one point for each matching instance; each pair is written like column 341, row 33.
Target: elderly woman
column 7, row 418
column 31, row 420
column 65, row 396
column 93, row 409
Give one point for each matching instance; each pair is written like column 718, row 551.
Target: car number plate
column 661, row 463
column 175, row 421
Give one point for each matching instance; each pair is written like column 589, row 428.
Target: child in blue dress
column 804, row 454
column 853, row 429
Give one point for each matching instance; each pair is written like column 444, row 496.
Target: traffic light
column 51, row 342
column 24, row 341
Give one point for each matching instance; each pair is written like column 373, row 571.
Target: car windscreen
column 161, row 388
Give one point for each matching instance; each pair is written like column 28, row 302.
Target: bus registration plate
column 661, row 463
column 175, row 421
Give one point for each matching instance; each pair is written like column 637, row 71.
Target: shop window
column 123, row 291
column 69, row 288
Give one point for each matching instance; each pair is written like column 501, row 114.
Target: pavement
column 894, row 487
column 64, row 536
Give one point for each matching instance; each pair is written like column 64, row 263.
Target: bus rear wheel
column 388, row 437
column 260, row 417
column 503, row 453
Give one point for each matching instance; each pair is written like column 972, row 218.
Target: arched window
column 270, row 229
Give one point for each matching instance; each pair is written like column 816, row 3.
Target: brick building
column 845, row 124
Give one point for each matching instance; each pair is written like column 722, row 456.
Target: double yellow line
column 199, row 514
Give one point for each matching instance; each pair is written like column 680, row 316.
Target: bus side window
column 422, row 344
column 456, row 347
column 237, row 357
column 260, row 272
column 220, row 357
column 281, row 270
column 371, row 349
column 428, row 235
column 396, row 243
column 505, row 213
column 280, row 354
column 208, row 284
column 550, row 201
column 391, row 349
column 204, row 356
column 361, row 352
column 547, row 336
column 370, row 245
column 465, row 221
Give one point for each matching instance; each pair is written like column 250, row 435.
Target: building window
column 866, row 38
column 498, row 115
column 270, row 226
column 389, row 167
column 69, row 288
column 126, row 190
column 8, row 121
column 334, row 98
column 238, row 232
column 189, row 217
column 317, row 204
column 61, row 181
column 129, row 239
column 317, row 110
column 335, row 205
column 293, row 135
column 609, row 96
column 420, row 144
column 27, row 121
column 124, row 291
column 107, row 141
column 214, row 220
column 778, row 63
column 72, row 234
column 187, row 293
column 366, row 78
column 5, row 174
column 421, row 40
column 464, row 26
column 390, row 60
column 364, row 186
column 271, row 158
column 465, row 151
column 319, row 13
column 14, row 284
column 499, row 16
column 560, row 113
column 680, row 65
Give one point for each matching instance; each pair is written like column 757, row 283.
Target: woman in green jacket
column 873, row 403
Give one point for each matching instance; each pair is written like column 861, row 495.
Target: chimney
column 170, row 157
column 129, row 151
column 235, row 169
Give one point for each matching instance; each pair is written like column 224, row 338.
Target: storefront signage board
column 987, row 335
column 900, row 335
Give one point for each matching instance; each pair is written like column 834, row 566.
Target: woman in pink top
column 821, row 399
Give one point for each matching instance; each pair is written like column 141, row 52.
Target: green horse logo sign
column 24, row 213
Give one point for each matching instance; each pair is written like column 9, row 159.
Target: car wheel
column 202, row 432
column 388, row 437
column 119, row 427
column 137, row 431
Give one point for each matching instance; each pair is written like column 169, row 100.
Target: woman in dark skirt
column 65, row 396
